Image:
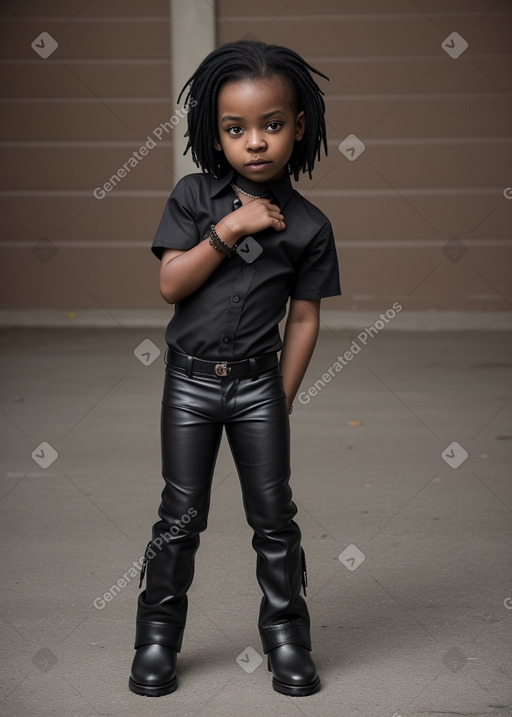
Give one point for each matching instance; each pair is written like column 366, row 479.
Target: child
column 235, row 242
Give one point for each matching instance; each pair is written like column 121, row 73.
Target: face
column 258, row 127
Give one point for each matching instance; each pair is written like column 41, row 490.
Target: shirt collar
column 282, row 188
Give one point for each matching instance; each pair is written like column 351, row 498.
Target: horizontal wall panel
column 351, row 77
column 78, row 9
column 84, row 119
column 117, row 217
column 422, row 278
column 55, row 167
column 76, row 78
column 283, row 8
column 80, row 278
column 107, row 38
column 411, row 116
column 460, row 165
column 403, row 165
column 151, row 78
column 358, row 216
column 414, row 276
column 358, row 36
column 362, row 217
column 431, row 8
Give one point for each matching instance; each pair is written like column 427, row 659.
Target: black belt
column 234, row 369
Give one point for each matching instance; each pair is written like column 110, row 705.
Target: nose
column 255, row 140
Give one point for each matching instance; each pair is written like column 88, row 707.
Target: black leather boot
column 288, row 643
column 162, row 609
column 154, row 671
column 293, row 671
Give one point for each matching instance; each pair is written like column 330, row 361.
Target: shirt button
column 236, row 298
column 226, row 339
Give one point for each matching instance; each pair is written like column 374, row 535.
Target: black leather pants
column 253, row 412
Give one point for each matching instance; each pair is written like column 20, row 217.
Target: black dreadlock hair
column 247, row 59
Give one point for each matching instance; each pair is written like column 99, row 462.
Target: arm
column 182, row 272
column 300, row 337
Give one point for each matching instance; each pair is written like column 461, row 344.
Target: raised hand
column 250, row 218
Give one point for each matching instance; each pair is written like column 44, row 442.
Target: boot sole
column 147, row 691
column 296, row 690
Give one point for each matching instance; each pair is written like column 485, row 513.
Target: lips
column 257, row 162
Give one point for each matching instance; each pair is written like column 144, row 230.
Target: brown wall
column 68, row 123
column 437, row 133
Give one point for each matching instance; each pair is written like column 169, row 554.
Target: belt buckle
column 222, row 369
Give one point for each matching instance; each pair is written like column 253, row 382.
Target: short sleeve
column 318, row 274
column 177, row 228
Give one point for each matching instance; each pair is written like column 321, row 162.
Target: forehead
column 254, row 95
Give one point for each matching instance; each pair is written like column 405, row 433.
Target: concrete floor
column 415, row 619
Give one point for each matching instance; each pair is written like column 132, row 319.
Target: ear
column 217, row 145
column 300, row 126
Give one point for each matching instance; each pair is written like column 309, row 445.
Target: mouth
column 257, row 162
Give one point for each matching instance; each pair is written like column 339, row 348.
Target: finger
column 270, row 204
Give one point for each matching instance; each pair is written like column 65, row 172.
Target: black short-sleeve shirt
column 235, row 313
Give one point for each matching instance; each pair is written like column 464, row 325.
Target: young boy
column 236, row 242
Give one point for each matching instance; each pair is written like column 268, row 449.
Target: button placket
column 235, row 308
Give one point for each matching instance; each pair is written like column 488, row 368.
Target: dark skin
column 258, row 126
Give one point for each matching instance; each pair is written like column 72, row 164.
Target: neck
column 258, row 189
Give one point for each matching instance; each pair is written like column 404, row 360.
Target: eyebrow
column 232, row 118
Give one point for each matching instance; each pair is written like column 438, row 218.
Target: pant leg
column 258, row 431
column 190, row 436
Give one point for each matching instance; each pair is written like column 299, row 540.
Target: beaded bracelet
column 217, row 243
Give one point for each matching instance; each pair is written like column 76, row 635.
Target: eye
column 274, row 126
column 235, row 131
